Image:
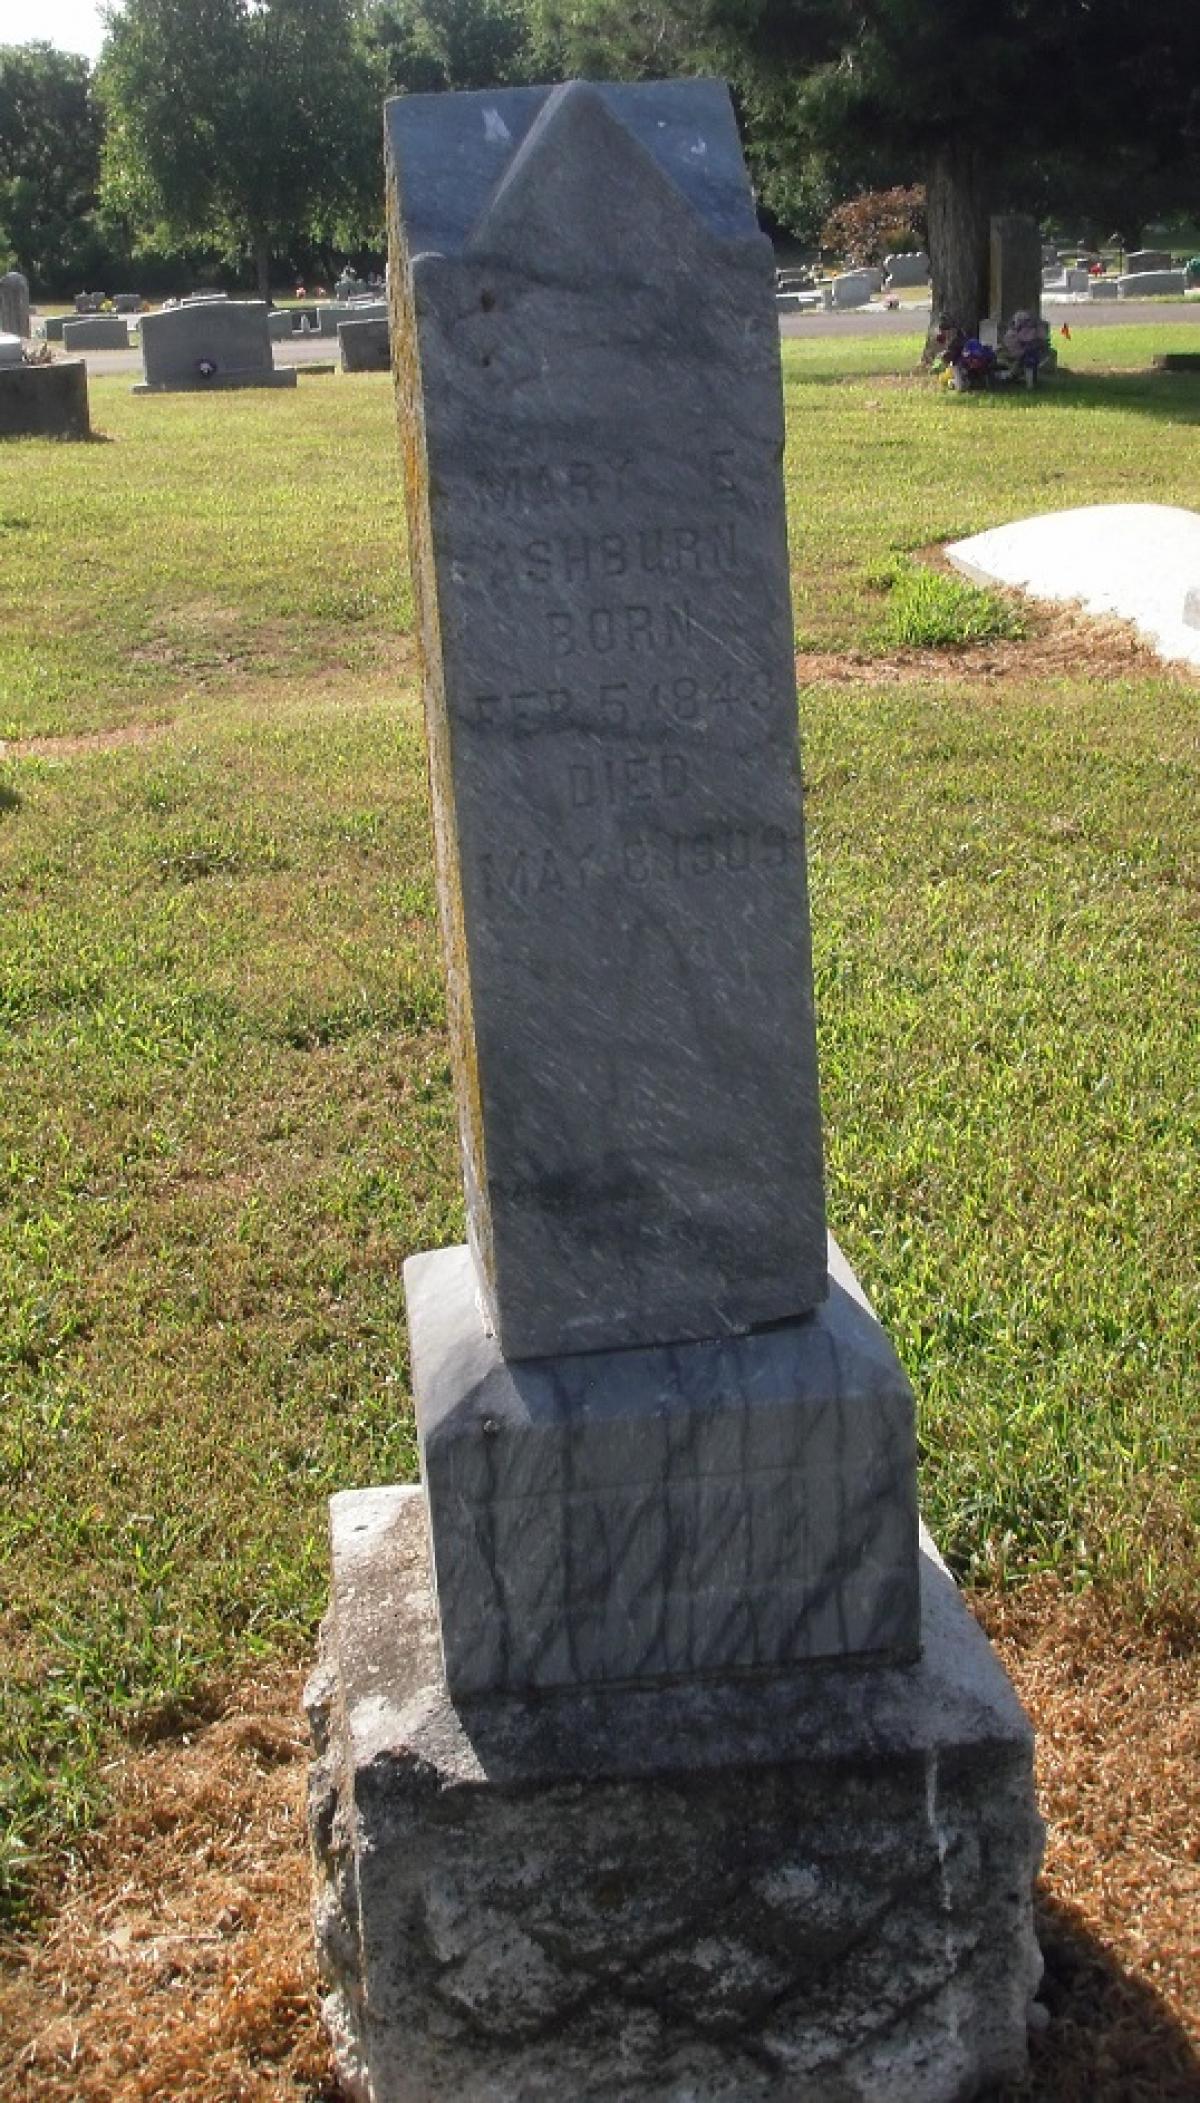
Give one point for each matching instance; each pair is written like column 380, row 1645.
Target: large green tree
column 978, row 102
column 988, row 105
column 49, row 162
column 253, row 122
column 431, row 45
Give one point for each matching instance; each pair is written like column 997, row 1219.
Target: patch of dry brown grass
column 177, row 1962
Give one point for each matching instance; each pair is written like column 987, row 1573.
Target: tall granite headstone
column 602, row 568
column 667, row 1452
column 1015, row 280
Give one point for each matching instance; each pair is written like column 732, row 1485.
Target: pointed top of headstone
column 447, row 153
column 582, row 196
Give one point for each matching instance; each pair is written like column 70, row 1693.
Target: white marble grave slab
column 1138, row 561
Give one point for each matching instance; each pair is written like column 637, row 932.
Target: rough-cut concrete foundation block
column 731, row 1506
column 45, row 401
column 814, row 1887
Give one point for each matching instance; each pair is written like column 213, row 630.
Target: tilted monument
column 657, row 1756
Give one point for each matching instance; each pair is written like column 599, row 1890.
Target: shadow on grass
column 1173, row 396
column 10, row 798
column 1110, row 2037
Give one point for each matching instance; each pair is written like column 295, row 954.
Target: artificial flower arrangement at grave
column 1023, row 352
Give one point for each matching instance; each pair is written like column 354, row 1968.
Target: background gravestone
column 45, row 401
column 96, row 332
column 209, row 342
column 365, row 346
column 14, row 304
column 1016, row 267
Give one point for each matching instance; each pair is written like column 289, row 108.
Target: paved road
column 871, row 321
column 911, row 321
column 307, row 350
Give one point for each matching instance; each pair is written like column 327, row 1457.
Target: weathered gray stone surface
column 1103, row 288
column 12, row 350
column 1152, row 284
column 1016, row 267
column 365, row 346
column 45, row 401
column 14, row 304
column 815, row 1888
column 907, row 269
column 209, row 342
column 330, row 318
column 280, row 326
column 52, row 327
column 128, row 302
column 1140, row 259
column 96, row 332
column 728, row 1506
column 853, row 289
column 592, row 394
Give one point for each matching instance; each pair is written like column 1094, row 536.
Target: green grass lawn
column 226, row 1114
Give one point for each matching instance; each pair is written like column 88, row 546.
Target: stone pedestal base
column 810, row 1888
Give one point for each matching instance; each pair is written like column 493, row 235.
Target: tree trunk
column 959, row 235
column 262, row 266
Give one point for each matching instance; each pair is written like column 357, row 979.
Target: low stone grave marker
column 96, row 332
column 589, row 1816
column 1142, row 259
column 852, row 289
column 365, row 346
column 906, row 269
column 45, row 401
column 1152, row 284
column 330, row 318
column 209, row 344
column 11, row 349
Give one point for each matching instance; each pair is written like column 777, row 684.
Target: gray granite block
column 45, row 401
column 817, row 1887
column 209, row 342
column 96, row 332
column 1152, row 284
column 14, row 304
column 590, row 390
column 365, row 346
column 736, row 1505
column 1016, row 266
